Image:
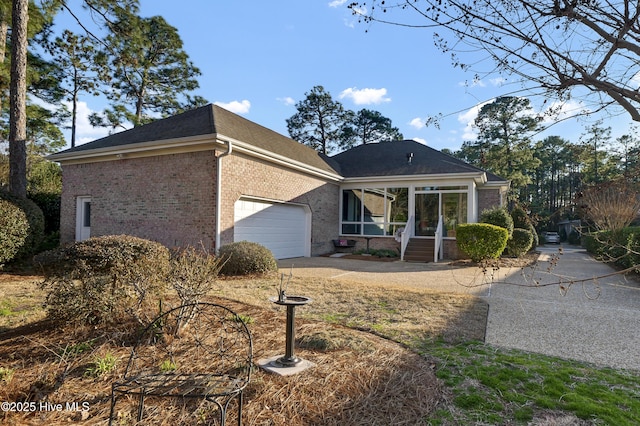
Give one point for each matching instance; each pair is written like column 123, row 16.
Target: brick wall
column 171, row 198
column 168, row 198
column 488, row 198
column 251, row 177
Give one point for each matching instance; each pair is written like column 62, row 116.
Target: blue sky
column 258, row 58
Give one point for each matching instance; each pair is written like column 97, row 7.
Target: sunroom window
column 374, row 211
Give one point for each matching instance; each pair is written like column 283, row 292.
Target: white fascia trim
column 253, row 151
column 478, row 177
column 203, row 142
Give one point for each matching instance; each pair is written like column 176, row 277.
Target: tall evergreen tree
column 505, row 127
column 75, row 54
column 369, row 126
column 321, row 122
column 149, row 73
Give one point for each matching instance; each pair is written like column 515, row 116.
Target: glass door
column 427, row 213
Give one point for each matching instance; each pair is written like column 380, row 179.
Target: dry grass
column 359, row 378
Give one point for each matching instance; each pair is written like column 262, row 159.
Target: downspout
column 219, row 192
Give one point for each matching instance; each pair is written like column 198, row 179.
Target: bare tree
column 552, row 47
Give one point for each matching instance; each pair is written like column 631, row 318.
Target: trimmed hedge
column 481, row 241
column 35, row 228
column 244, row 257
column 498, row 216
column 14, row 228
column 103, row 279
column 520, row 242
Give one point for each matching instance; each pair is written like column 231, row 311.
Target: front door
column 427, row 211
column 83, row 218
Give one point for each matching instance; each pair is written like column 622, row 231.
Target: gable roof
column 211, row 122
column 392, row 159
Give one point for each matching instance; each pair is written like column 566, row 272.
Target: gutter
column 219, row 191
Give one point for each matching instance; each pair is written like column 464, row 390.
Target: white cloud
column 467, row 119
column 417, row 123
column 560, row 110
column 365, row 96
column 287, row 100
column 420, row 140
column 85, row 132
column 337, row 3
column 238, row 107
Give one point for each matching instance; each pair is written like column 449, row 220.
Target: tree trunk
column 18, row 100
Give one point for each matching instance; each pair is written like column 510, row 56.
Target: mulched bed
column 359, row 378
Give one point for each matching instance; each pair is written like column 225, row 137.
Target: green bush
column 520, row 242
column 103, row 279
column 481, row 241
column 244, row 257
column 35, row 218
column 14, row 228
column 498, row 216
column 522, row 220
column 621, row 247
column 49, row 203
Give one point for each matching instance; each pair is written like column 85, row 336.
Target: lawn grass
column 478, row 384
column 484, row 384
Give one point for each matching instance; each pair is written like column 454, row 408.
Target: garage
column 285, row 229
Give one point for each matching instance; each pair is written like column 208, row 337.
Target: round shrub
column 35, row 218
column 498, row 216
column 14, row 228
column 103, row 279
column 244, row 257
column 49, row 203
column 481, row 241
column 520, row 242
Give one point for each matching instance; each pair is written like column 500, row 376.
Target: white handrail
column 437, row 251
column 405, row 236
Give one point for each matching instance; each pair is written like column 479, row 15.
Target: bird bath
column 289, row 359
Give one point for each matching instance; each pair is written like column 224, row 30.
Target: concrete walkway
column 595, row 321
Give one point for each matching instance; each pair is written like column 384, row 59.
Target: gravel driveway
column 597, row 322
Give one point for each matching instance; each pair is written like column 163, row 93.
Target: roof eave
column 479, row 177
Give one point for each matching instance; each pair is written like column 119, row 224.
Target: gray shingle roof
column 210, row 120
column 391, row 159
column 380, row 159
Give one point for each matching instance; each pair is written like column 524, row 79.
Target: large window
column 374, row 211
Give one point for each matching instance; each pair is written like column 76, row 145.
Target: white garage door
column 282, row 228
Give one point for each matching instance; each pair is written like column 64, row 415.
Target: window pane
column 86, row 220
column 398, row 204
column 375, row 229
column 454, row 210
column 351, row 205
column 374, row 205
column 350, row 229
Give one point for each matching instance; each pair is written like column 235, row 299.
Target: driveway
column 596, row 321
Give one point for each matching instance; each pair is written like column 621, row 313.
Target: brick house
column 211, row 177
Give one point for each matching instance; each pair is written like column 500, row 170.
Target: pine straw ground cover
column 359, row 378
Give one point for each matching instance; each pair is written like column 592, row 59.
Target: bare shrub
column 193, row 273
column 610, row 206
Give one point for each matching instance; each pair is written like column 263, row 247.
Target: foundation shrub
column 35, row 228
column 481, row 241
column 244, row 258
column 520, row 242
column 522, row 220
column 498, row 216
column 102, row 280
column 14, row 228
